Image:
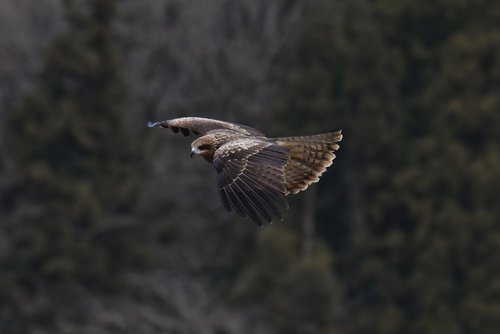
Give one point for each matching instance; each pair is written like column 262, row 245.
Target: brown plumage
column 255, row 173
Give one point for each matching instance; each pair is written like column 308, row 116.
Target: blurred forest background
column 107, row 226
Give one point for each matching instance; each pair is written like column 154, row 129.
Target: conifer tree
column 75, row 175
column 453, row 189
column 414, row 94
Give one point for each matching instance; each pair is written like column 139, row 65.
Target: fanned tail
column 309, row 158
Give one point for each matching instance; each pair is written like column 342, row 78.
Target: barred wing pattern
column 201, row 126
column 310, row 156
column 251, row 178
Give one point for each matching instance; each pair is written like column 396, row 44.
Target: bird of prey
column 254, row 172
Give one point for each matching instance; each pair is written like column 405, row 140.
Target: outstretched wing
column 199, row 125
column 310, row 156
column 251, row 178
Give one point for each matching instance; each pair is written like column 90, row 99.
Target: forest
column 108, row 226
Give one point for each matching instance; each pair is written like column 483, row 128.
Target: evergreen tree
column 287, row 291
column 67, row 211
column 453, row 193
column 413, row 90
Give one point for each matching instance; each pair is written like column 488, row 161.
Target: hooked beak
column 192, row 152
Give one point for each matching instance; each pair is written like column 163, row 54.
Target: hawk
column 254, row 172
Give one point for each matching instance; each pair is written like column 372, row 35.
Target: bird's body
column 255, row 172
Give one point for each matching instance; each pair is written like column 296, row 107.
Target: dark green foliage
column 413, row 201
column 68, row 211
column 457, row 235
column 290, row 292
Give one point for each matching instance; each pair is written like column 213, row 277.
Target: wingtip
column 152, row 124
column 339, row 134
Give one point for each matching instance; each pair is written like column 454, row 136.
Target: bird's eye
column 204, row 147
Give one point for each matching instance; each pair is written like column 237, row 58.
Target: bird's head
column 203, row 146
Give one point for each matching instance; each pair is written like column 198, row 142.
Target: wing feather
column 200, row 125
column 263, row 197
column 251, row 178
column 310, row 156
column 224, row 199
column 236, row 203
column 254, row 208
column 258, row 197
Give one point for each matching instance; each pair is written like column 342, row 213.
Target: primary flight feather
column 254, row 172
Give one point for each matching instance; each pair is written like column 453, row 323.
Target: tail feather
column 309, row 158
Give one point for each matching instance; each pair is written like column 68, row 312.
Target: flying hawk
column 255, row 173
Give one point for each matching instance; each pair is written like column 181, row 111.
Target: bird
column 255, row 173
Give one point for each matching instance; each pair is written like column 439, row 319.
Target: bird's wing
column 251, row 178
column 199, row 125
column 310, row 156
